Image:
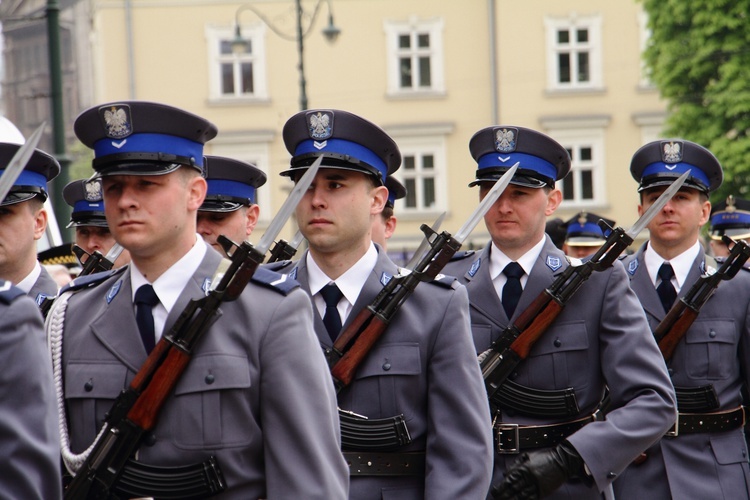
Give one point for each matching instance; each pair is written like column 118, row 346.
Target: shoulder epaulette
column 8, row 292
column 277, row 266
column 273, row 280
column 444, row 281
column 462, row 255
column 90, row 280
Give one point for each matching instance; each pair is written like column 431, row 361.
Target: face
column 154, row 215
column 382, row 229
column 99, row 239
column 516, row 221
column 336, row 213
column 236, row 225
column 718, row 248
column 21, row 224
column 678, row 224
column 578, row 251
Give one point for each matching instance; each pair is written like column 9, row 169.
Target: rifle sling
column 201, row 480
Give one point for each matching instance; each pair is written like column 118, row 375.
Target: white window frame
column 434, row 28
column 419, row 146
column 251, row 147
column 644, row 35
column 576, row 133
column 594, row 48
column 256, row 34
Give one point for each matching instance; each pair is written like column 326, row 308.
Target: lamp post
column 331, row 32
column 62, row 210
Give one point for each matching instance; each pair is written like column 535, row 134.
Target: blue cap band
column 588, row 227
column 526, row 162
column 344, row 147
column 29, row 178
column 88, row 206
column 222, row 187
column 676, row 169
column 726, row 218
column 150, row 143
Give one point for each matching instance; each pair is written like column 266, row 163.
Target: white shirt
column 498, row 261
column 350, row 283
column 170, row 285
column 28, row 282
column 680, row 264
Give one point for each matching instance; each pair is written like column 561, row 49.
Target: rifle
column 135, row 411
column 354, row 343
column 283, row 250
column 516, row 341
column 684, row 312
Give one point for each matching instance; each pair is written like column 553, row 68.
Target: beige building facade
column 431, row 73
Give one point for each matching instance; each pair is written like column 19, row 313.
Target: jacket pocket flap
column 213, row 372
column 711, row 330
column 569, row 336
column 391, row 359
column 95, row 380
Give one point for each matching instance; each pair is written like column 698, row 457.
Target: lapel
column 115, row 326
column 482, row 296
column 643, row 287
column 302, row 276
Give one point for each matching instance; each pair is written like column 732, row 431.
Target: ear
column 554, row 198
column 253, row 212
column 640, row 210
column 390, row 226
column 40, row 223
column 197, row 188
column 379, row 196
column 705, row 212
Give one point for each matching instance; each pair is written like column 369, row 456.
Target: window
column 422, row 169
column 415, row 53
column 583, row 138
column 237, row 75
column 644, row 34
column 574, row 53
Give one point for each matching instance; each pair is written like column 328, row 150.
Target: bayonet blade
column 19, row 161
column 297, row 240
column 274, row 228
column 114, row 253
column 656, row 207
column 425, row 243
column 485, row 205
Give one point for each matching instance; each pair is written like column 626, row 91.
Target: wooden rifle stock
column 523, row 344
column 684, row 312
column 356, row 341
column 136, row 410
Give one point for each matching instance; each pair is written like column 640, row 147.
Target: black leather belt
column 385, row 464
column 514, row 438
column 696, row 423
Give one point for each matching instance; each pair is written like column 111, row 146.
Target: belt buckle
column 674, row 431
column 500, row 430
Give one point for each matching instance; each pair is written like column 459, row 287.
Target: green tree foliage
column 699, row 58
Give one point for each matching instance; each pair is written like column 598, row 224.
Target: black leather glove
column 538, row 474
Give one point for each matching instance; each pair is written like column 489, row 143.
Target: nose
column 317, row 196
column 203, row 228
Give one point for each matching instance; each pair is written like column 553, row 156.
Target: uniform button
column 150, row 439
column 387, row 365
column 89, row 386
column 210, row 378
column 557, row 342
column 611, row 475
column 712, row 334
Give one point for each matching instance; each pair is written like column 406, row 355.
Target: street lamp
column 331, row 32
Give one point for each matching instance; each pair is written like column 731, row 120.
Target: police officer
column 61, row 263
column 706, row 455
column 29, row 438
column 92, row 233
column 731, row 218
column 257, row 394
column 23, row 221
column 384, row 226
column 548, row 440
column 421, row 375
column 583, row 235
column 229, row 208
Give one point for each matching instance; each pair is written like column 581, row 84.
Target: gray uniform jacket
column 45, row 286
column 600, row 338
column 715, row 350
column 257, row 393
column 29, row 439
column 423, row 367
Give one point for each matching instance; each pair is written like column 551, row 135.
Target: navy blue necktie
column 332, row 319
column 666, row 290
column 145, row 300
column 512, row 288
